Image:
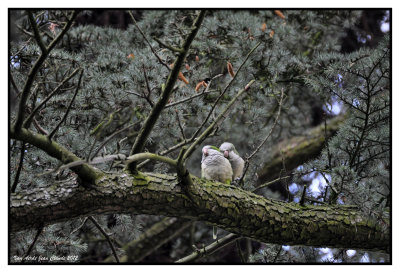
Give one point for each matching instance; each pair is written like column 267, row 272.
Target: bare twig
column 277, row 254
column 39, row 128
column 69, row 107
column 270, row 183
column 147, row 97
column 200, row 253
column 91, row 218
column 38, row 232
column 172, row 48
column 247, row 163
column 240, row 251
column 80, row 226
column 173, row 148
column 37, row 108
column 110, row 138
column 224, row 91
column 219, row 119
column 148, row 43
column 180, row 126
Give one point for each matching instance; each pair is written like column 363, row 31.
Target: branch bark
column 228, row 207
column 298, row 150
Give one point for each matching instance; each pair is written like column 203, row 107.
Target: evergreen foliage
column 299, row 72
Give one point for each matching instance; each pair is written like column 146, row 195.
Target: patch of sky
column 15, row 61
column 350, row 253
column 293, row 188
column 365, row 258
column 385, row 23
column 318, row 185
column 326, row 254
column 334, row 108
column 286, row 248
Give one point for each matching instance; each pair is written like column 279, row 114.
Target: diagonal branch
column 69, row 107
column 219, row 119
column 159, row 106
column 148, row 43
column 224, row 91
column 28, row 121
column 91, row 218
column 87, row 174
column 32, row 74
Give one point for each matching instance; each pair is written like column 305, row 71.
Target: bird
column 214, row 166
column 237, row 163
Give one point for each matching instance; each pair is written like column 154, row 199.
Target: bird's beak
column 226, row 154
column 205, row 151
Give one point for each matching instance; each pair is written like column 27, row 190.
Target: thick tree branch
column 228, row 207
column 298, row 150
column 87, row 173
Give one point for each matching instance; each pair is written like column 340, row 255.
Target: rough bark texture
column 225, row 206
column 298, row 150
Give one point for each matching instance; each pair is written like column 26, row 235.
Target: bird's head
column 226, row 148
column 209, row 150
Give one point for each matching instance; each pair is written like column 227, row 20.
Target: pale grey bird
column 237, row 163
column 215, row 166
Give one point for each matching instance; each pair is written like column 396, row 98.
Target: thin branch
column 141, row 156
column 21, row 162
column 270, row 131
column 80, row 226
column 224, row 91
column 148, row 43
column 270, row 183
column 69, row 107
column 205, row 91
column 13, row 82
column 277, row 254
column 37, row 108
column 91, row 218
column 110, row 138
column 247, row 163
column 200, row 253
column 180, row 126
column 173, row 148
column 240, row 251
column 188, row 99
column 35, row 28
column 147, row 97
column 39, row 128
column 38, row 232
column 172, row 48
column 220, row 118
